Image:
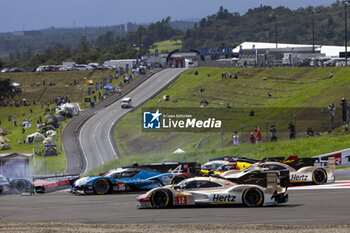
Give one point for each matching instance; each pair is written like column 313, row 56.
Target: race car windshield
column 212, row 166
column 110, row 174
column 253, row 167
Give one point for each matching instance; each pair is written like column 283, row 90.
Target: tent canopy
column 35, row 137
column 108, row 87
column 50, row 144
column 4, row 132
column 15, row 84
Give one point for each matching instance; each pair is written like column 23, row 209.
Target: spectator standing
column 343, row 110
column 235, row 138
column 252, row 138
column 273, row 133
column 258, row 135
column 331, row 109
column 291, row 128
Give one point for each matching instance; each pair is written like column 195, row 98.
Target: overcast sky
column 37, row 14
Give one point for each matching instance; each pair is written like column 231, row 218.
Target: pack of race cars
column 225, row 180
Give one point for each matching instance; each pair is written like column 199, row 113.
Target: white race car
column 301, row 170
column 216, row 190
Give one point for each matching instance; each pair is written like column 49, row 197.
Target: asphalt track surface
column 96, row 134
column 305, row 207
column 70, row 134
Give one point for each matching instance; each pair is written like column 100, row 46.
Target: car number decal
column 119, row 187
column 181, row 200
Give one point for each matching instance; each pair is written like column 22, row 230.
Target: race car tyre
column 253, row 197
column 178, row 179
column 19, row 186
column 161, row 198
column 319, row 176
column 101, row 186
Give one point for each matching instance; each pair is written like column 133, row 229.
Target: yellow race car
column 219, row 166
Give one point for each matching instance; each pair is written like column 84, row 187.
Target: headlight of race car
column 81, row 181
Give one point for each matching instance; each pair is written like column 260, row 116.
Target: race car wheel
column 101, row 186
column 161, row 198
column 19, row 186
column 178, row 179
column 319, row 176
column 253, row 197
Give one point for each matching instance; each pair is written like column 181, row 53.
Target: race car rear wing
column 273, row 159
column 303, row 162
column 263, row 178
column 235, row 159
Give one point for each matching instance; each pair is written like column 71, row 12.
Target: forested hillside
column 223, row 28
column 259, row 24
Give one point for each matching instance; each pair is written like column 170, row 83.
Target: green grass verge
column 289, row 87
column 301, row 147
column 166, row 46
column 41, row 94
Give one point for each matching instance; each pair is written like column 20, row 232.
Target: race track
column 96, row 135
column 305, row 207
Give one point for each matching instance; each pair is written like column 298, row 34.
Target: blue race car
column 16, row 185
column 125, row 179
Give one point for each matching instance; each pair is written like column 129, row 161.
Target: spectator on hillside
column 252, row 113
column 9, row 117
column 331, row 109
column 330, row 75
column 291, row 128
column 343, row 110
column 309, row 132
column 228, row 105
column 252, row 138
column 273, row 133
column 258, row 135
column 235, row 138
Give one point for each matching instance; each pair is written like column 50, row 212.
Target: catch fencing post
column 267, row 130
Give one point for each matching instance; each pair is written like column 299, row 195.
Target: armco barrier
column 342, row 157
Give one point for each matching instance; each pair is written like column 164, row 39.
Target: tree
column 84, row 45
column 5, row 87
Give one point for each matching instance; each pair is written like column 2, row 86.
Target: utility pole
column 276, row 32
column 313, row 31
column 346, row 34
column 140, row 42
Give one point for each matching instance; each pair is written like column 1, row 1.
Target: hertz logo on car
column 217, row 198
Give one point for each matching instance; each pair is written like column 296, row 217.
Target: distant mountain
column 38, row 41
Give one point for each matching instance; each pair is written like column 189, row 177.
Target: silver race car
column 216, row 190
column 301, row 170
